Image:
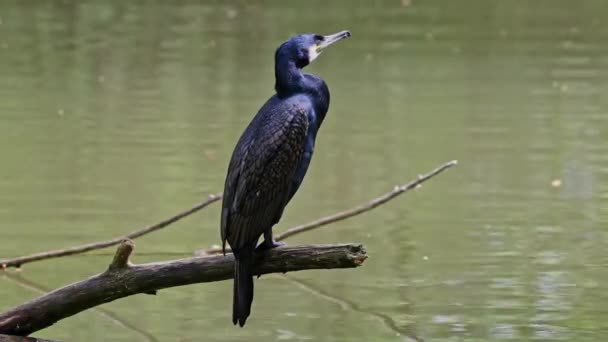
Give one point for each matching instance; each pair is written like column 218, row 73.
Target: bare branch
column 398, row 190
column 17, row 262
column 360, row 209
column 127, row 280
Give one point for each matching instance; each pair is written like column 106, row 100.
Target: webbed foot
column 267, row 245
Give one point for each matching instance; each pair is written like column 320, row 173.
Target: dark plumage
column 271, row 158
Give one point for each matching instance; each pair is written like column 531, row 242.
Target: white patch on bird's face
column 313, row 53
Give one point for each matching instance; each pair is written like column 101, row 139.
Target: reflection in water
column 116, row 114
column 344, row 304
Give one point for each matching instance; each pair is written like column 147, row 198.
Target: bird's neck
column 290, row 80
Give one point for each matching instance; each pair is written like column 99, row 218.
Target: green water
column 114, row 115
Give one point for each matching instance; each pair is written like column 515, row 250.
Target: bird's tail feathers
column 243, row 290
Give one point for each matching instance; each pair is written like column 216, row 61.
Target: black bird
column 271, row 158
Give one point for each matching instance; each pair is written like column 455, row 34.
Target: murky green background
column 114, row 115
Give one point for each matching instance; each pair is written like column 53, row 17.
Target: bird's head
column 305, row 48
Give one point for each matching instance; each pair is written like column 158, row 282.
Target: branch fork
column 123, row 279
column 121, row 258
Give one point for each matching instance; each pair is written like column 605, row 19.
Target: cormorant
column 271, row 158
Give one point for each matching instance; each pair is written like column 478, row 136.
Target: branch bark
column 123, row 279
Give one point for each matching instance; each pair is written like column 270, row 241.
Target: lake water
column 115, row 115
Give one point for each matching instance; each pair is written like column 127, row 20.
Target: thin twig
column 360, row 209
column 117, row 283
column 17, row 262
column 398, row 190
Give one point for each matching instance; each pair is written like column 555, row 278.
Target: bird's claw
column 267, row 245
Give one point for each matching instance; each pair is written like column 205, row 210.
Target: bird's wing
column 260, row 173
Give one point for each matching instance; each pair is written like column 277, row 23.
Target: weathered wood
column 123, row 279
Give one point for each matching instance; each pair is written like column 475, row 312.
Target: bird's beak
column 332, row 38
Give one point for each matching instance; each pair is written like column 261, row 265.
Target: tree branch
column 121, row 257
column 17, row 262
column 398, row 190
column 360, row 209
column 123, row 279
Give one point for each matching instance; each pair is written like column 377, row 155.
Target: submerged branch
column 123, row 279
column 20, row 280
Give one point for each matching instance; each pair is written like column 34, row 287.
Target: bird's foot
column 267, row 245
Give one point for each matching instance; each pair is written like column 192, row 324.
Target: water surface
column 115, row 115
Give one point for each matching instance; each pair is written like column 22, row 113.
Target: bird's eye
column 318, row 38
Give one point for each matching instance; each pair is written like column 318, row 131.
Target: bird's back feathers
column 263, row 164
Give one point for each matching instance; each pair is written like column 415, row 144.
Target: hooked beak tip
column 333, row 38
